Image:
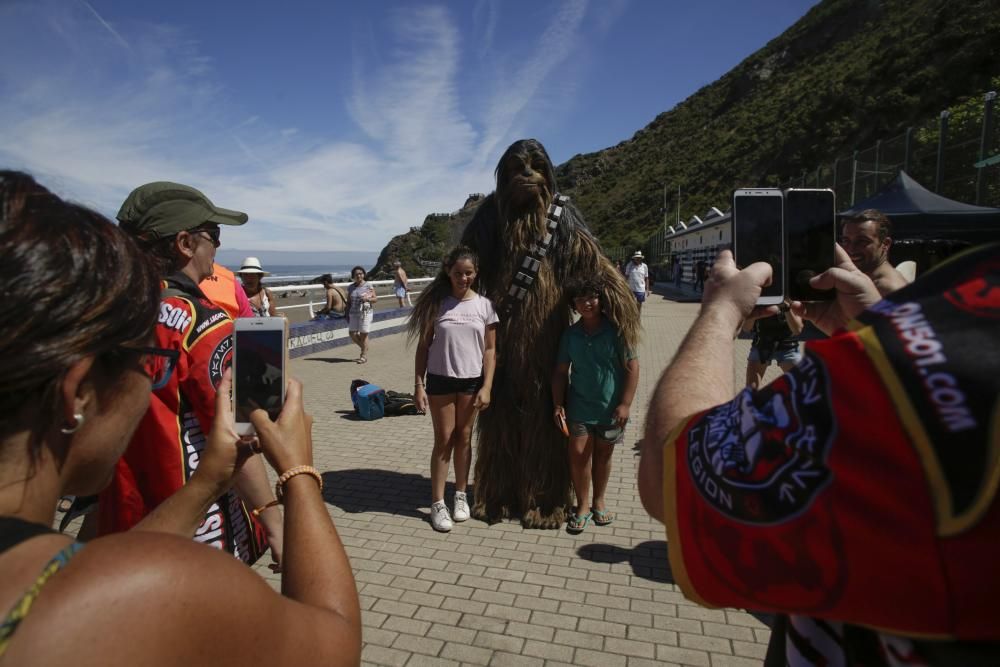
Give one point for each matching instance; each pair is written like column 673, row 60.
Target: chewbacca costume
column 522, row 468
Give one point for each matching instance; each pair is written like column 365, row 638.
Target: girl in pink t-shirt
column 456, row 332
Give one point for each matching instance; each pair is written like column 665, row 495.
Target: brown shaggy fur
column 521, row 461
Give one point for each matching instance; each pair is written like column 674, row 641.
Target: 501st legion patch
column 761, row 459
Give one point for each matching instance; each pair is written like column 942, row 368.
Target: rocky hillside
column 422, row 248
column 848, row 73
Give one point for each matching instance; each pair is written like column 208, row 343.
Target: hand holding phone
column 758, row 236
column 260, row 356
column 810, row 237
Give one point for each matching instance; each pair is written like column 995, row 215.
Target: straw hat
column 638, row 253
column 252, row 265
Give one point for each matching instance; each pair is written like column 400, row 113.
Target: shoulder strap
column 527, row 270
column 13, row 531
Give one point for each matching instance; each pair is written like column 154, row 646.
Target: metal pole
column 678, row 203
column 854, row 178
column 984, row 143
column 942, row 136
column 906, row 149
column 878, row 154
column 818, row 177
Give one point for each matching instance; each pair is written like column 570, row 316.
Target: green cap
column 161, row 209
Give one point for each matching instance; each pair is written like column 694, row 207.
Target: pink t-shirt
column 460, row 337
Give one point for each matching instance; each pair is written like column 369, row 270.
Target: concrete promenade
column 502, row 595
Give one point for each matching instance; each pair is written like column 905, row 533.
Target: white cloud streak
column 95, row 126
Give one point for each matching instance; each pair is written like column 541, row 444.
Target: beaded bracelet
column 292, row 472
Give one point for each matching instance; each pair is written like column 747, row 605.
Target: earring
column 78, row 422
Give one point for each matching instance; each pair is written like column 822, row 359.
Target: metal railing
column 374, row 283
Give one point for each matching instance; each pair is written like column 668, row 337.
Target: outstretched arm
column 701, row 374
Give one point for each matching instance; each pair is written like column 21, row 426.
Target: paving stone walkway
column 502, row 595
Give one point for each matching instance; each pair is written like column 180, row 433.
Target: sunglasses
column 157, row 362
column 214, row 234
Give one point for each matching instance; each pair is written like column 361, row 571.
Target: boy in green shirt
column 602, row 375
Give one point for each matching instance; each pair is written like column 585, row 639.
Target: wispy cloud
column 95, row 124
column 523, row 85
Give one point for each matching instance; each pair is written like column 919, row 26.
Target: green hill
column 848, row 73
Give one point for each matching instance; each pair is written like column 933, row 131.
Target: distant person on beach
column 455, row 328
column 261, row 299
column 867, row 238
column 361, row 297
column 855, row 495
column 177, row 227
column 336, row 300
column 399, row 284
column 75, row 388
column 637, row 275
column 775, row 338
column 602, row 375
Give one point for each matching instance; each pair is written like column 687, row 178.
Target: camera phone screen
column 259, row 373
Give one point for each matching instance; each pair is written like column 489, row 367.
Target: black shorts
column 439, row 385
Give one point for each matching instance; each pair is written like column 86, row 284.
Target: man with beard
column 867, row 238
column 530, row 242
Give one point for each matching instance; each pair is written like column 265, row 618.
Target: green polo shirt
column 597, row 372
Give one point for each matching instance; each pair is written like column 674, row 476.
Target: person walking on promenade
column 261, row 299
column 336, row 300
column 637, row 275
column 74, row 390
column 399, row 284
column 177, row 227
column 455, row 328
column 602, row 375
column 361, row 297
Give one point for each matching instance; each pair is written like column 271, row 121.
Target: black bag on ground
column 398, row 403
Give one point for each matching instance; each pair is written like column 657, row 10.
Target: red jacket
column 862, row 485
column 165, row 448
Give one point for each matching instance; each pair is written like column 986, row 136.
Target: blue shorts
column 608, row 433
column 640, row 296
column 782, row 355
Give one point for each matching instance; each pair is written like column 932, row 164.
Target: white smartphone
column 758, row 236
column 810, row 234
column 260, row 356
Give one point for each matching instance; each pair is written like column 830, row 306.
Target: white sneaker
column 461, row 512
column 440, row 519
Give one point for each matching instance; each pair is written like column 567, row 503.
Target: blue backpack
column 368, row 399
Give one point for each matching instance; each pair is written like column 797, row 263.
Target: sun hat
column 252, row 265
column 162, row 209
column 638, row 253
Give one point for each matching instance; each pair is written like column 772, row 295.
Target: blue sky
column 337, row 125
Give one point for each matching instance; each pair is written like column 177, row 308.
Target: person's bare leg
column 461, row 439
column 443, row 418
column 601, row 471
column 363, row 343
column 755, row 373
column 581, row 448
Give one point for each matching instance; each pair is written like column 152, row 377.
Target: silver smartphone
column 260, row 357
column 758, row 236
column 810, row 234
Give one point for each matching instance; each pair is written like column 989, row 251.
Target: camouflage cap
column 161, row 209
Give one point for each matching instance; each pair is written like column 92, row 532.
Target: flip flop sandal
column 602, row 517
column 577, row 523
column 362, row 360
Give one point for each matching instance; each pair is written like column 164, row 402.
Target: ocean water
column 304, row 271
